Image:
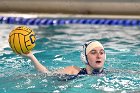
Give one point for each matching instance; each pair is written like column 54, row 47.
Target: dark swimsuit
column 82, row 72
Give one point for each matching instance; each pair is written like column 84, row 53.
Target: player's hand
column 29, row 54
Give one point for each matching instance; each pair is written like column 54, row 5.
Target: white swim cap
column 93, row 45
column 87, row 47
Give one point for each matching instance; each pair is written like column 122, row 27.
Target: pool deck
column 88, row 7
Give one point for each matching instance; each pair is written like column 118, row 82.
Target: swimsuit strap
column 83, row 71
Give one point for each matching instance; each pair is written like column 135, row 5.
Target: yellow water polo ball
column 22, row 39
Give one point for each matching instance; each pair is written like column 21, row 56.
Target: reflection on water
column 59, row 46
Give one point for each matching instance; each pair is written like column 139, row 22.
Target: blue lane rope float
column 62, row 21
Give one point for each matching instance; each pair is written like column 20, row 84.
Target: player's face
column 96, row 57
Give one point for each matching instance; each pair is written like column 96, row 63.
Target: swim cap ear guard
column 83, row 53
column 83, row 58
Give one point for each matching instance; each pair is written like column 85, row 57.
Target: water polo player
column 93, row 55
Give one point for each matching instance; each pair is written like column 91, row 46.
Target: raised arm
column 36, row 63
column 71, row 70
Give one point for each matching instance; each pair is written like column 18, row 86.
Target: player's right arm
column 70, row 70
column 36, row 63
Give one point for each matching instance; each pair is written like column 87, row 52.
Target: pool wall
column 27, row 19
column 113, row 7
column 59, row 12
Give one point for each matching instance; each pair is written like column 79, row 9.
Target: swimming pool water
column 60, row 46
